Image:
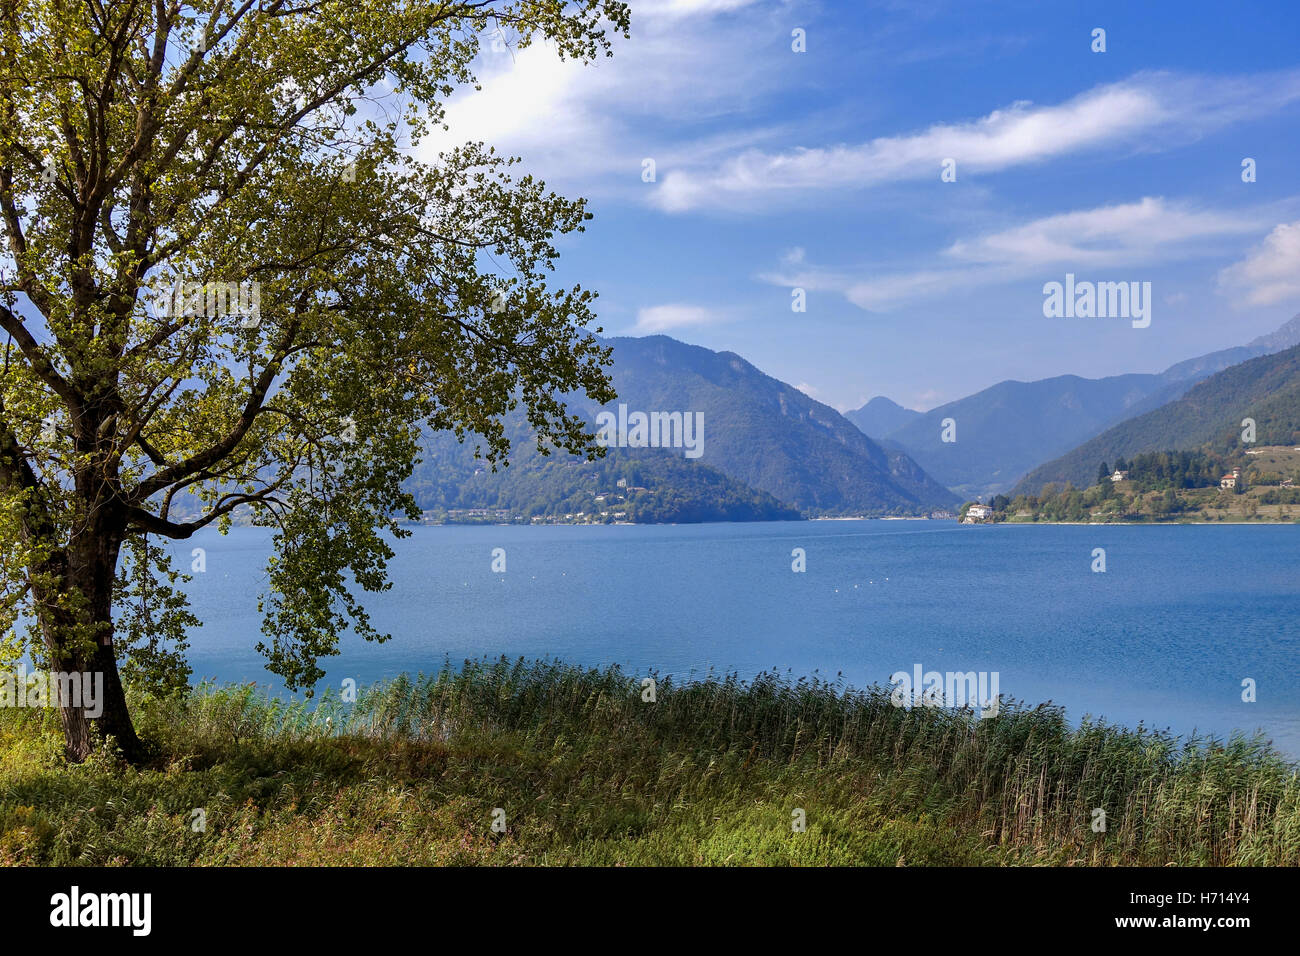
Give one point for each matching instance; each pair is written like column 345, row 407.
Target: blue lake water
column 1182, row 615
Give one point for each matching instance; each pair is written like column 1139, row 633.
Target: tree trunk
column 114, row 719
column 80, row 644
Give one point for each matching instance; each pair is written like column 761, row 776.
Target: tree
column 1103, row 474
column 227, row 284
column 1169, row 503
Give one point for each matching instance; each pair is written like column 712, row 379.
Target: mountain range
column 769, row 451
column 767, row 440
column 1209, row 416
column 1008, row 429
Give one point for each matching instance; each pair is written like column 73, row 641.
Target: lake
column 1165, row 636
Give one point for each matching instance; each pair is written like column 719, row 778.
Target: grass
column 589, row 773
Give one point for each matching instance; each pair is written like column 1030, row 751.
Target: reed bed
column 586, row 770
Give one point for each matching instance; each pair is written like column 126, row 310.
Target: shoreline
column 1136, row 524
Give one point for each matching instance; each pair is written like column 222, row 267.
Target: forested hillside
column 1265, row 389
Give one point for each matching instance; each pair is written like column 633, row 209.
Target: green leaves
column 152, row 619
column 260, row 149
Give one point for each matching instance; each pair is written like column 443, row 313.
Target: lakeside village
column 609, row 507
column 625, row 503
column 1258, row 484
column 496, row 516
column 504, row 516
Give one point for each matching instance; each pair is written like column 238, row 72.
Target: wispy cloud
column 675, row 316
column 1270, row 273
column 1148, row 231
column 1145, row 229
column 1146, row 111
column 687, row 8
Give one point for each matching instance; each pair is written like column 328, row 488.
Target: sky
column 821, row 169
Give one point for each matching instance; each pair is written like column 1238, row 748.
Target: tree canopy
column 225, row 277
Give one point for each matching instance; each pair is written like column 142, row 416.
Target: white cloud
column 1146, row 111
column 1270, row 273
column 1104, row 235
column 534, row 104
column 888, row 292
column 686, row 8
column 570, row 120
column 1016, row 135
column 1149, row 231
column 666, row 318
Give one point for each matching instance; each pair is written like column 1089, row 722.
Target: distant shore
column 1142, row 524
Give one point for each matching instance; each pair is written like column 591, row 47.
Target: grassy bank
column 589, row 773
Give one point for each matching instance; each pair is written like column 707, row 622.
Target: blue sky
column 821, row 170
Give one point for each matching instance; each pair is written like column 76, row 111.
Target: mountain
column 769, row 434
column 1284, row 338
column 757, row 431
column 880, row 416
column 1010, row 428
column 1209, row 415
column 641, row 485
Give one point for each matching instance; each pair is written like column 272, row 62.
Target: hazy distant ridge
column 1010, row 428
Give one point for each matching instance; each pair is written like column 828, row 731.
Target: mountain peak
column 881, row 416
column 880, row 402
column 1284, row 338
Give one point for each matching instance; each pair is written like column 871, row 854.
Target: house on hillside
column 1233, row 480
column 1119, row 476
column 976, row 513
